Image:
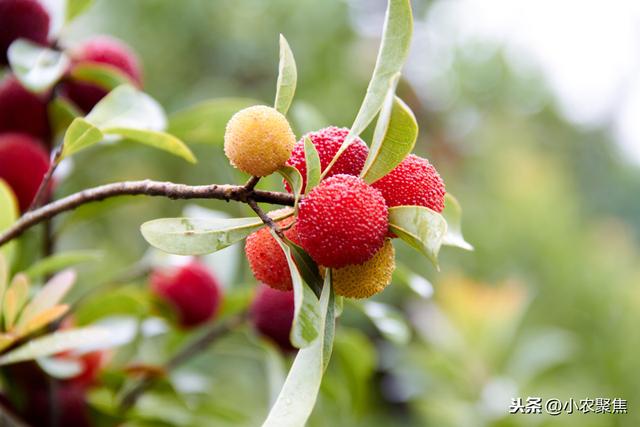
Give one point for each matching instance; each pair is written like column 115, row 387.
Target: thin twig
column 148, row 188
column 44, row 185
column 251, row 183
column 264, row 217
column 187, row 352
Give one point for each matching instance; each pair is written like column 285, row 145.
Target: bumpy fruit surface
column 101, row 50
column 22, row 111
column 413, row 182
column 366, row 279
column 258, row 140
column 26, row 19
column 327, row 142
column 191, row 290
column 266, row 258
column 23, row 164
column 272, row 315
column 342, row 221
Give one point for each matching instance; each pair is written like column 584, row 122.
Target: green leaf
column 300, row 391
column 49, row 296
column 8, row 216
column 93, row 337
column 394, row 138
column 452, row 213
column 159, row 140
column 193, row 236
column 61, row 368
column 4, row 277
column 128, row 107
column 76, row 7
column 61, row 113
column 14, row 298
column 294, row 178
column 287, row 78
column 389, row 321
column 37, row 67
column 60, row 261
column 312, row 160
column 393, row 52
column 205, row 123
column 307, row 267
column 105, row 76
column 420, row 227
column 80, row 135
column 306, row 319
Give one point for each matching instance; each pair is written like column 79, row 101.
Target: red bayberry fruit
column 26, row 19
column 413, row 182
column 23, row 164
column 191, row 290
column 327, row 142
column 272, row 315
column 266, row 258
column 342, row 221
column 71, row 407
column 23, row 111
column 101, row 50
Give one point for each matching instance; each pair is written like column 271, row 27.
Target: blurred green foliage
column 547, row 305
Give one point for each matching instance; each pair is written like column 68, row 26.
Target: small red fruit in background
column 23, row 111
column 266, row 258
column 26, row 19
column 413, row 182
column 101, row 50
column 342, row 221
column 272, row 315
column 23, row 165
column 71, row 406
column 327, row 142
column 191, row 290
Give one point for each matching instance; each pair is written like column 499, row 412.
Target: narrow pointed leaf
column 80, row 135
column 300, row 391
column 453, row 215
column 287, row 78
column 393, row 52
column 306, row 320
column 420, row 227
column 160, row 140
column 329, row 314
column 94, row 337
column 205, row 123
column 6, row 340
column 193, row 236
column 394, row 138
column 312, row 160
column 128, row 107
column 37, row 68
column 49, row 296
column 42, row 319
column 294, row 178
column 60, row 261
column 14, row 299
column 105, row 76
column 8, row 216
column 60, row 368
column 307, row 267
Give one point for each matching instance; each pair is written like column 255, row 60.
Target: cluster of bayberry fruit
column 342, row 223
column 25, row 126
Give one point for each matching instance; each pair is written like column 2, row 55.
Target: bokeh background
column 529, row 109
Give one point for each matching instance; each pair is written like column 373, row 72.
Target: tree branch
column 187, row 352
column 147, row 188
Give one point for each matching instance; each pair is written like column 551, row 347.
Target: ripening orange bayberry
column 258, row 140
column 272, row 315
column 23, row 164
column 266, row 258
column 413, row 182
column 22, row 19
column 191, row 290
column 101, row 50
column 366, row 279
column 342, row 221
column 327, row 142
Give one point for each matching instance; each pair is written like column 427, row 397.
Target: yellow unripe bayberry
column 258, row 140
column 366, row 279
